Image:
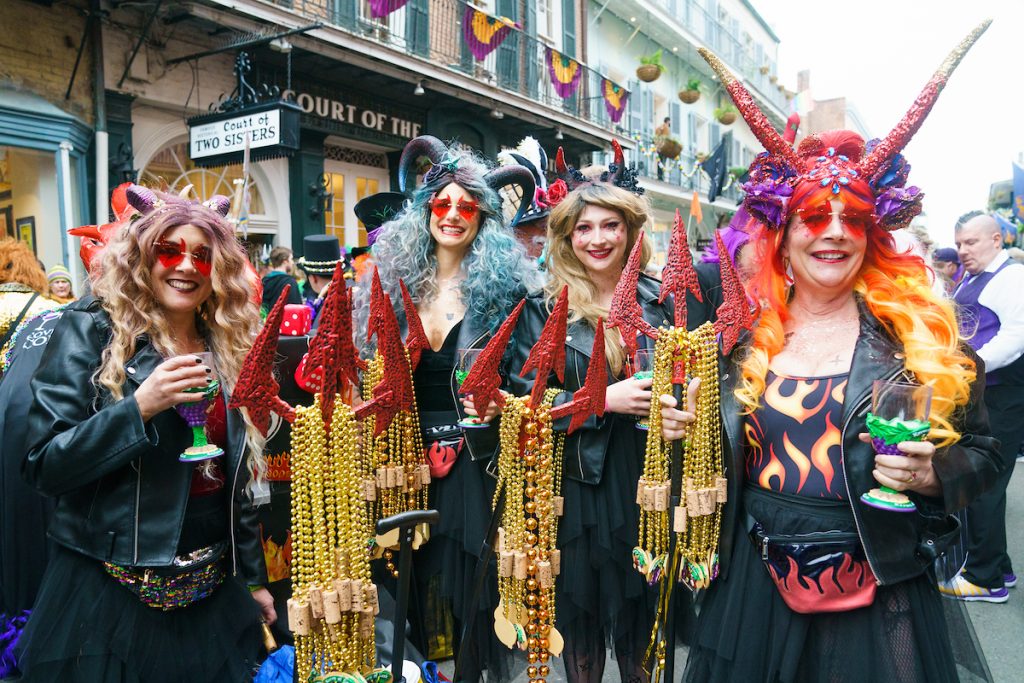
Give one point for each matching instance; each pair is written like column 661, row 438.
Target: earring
column 789, row 270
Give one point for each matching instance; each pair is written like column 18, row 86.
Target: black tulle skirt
column 88, row 628
column 445, row 568
column 602, row 601
column 745, row 632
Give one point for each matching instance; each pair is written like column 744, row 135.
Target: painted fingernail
column 209, row 370
column 198, row 360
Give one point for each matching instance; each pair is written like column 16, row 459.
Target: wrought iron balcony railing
column 432, row 30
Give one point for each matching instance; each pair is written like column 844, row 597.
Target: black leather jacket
column 586, row 448
column 899, row 546
column 121, row 490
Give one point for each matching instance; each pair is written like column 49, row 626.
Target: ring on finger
column 913, row 476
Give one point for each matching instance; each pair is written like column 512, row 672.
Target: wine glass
column 643, row 366
column 465, row 362
column 194, row 413
column 899, row 412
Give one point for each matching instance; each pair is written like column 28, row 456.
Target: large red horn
column 759, row 124
column 912, row 120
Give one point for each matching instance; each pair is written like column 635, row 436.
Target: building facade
column 623, row 32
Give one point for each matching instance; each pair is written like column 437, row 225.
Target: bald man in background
column 991, row 311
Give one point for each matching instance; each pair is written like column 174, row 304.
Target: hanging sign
column 219, row 139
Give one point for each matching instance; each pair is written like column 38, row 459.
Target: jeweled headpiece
column 569, row 177
column 876, row 171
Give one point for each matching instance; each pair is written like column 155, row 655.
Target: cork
column 559, row 503
column 332, row 607
column 519, row 567
column 371, row 599
column 556, row 561
column 344, row 589
column 298, row 617
column 679, row 519
column 545, row 574
column 506, row 563
column 316, row 602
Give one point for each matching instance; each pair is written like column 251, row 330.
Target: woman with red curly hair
column 828, row 587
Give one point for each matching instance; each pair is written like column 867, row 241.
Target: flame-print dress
column 795, row 486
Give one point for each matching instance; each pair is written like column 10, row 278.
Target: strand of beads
column 698, row 518
column 528, row 559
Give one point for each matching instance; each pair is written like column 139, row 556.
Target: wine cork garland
column 530, row 470
column 333, row 598
column 396, row 476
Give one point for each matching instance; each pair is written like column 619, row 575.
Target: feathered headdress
column 876, row 169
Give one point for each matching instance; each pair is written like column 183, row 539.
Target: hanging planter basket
column 689, row 96
column 648, row 73
column 669, row 148
column 727, row 118
column 764, row 70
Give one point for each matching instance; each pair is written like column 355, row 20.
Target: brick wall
column 37, row 53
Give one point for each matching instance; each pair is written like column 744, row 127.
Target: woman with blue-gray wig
column 465, row 272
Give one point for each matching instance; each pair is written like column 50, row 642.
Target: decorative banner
column 565, row 72
column 484, row 33
column 615, row 98
column 382, row 8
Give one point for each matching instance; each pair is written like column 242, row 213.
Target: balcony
column 668, row 20
column 432, row 31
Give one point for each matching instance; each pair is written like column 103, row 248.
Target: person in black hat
column 320, row 254
column 946, row 263
column 531, row 230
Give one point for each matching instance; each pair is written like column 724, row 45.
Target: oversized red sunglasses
column 170, row 254
column 442, row 205
column 817, row 218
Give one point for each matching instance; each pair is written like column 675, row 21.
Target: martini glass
column 899, row 412
column 194, row 413
column 465, row 362
column 643, row 366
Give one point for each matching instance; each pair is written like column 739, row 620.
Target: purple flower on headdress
column 449, row 164
column 767, row 167
column 892, row 173
column 897, row 206
column 766, row 201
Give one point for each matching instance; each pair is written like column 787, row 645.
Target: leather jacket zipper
column 846, row 479
column 231, row 511
column 138, row 498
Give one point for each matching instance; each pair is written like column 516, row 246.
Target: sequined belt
column 188, row 579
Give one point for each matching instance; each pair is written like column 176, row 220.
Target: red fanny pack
column 817, row 572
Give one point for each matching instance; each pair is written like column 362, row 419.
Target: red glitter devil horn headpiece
column 898, row 138
column 759, row 124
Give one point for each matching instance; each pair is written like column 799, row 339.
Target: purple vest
column 979, row 324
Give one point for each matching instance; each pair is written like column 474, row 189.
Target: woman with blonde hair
column 601, row 599
column 153, row 551
column 823, row 576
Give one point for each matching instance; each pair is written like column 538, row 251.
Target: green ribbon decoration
column 896, row 430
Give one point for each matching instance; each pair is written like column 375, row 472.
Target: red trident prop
column 625, row 312
column 416, row 340
column 548, row 354
column 394, row 393
column 484, row 381
column 332, row 350
column 734, row 313
column 590, row 398
column 256, row 389
column 679, row 274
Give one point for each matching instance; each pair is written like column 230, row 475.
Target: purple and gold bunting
column 484, row 33
column 382, row 8
column 565, row 72
column 615, row 98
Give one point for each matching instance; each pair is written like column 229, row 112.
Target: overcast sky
column 880, row 53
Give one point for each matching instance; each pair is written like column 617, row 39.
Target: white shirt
column 1004, row 296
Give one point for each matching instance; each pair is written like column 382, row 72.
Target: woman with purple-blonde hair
column 153, row 552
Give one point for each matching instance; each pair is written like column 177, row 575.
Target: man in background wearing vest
column 991, row 311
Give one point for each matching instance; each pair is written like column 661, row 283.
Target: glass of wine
column 899, row 412
column 194, row 414
column 465, row 362
column 643, row 367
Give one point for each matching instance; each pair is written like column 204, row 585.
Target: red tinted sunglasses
column 818, row 218
column 442, row 205
column 171, row 254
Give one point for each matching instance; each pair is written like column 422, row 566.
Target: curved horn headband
column 141, row 198
column 424, row 145
column 569, row 175
column 528, row 165
column 186, row 192
column 514, row 174
column 751, row 113
column 911, row 122
column 218, row 203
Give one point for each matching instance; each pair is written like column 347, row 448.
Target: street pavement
column 999, row 628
